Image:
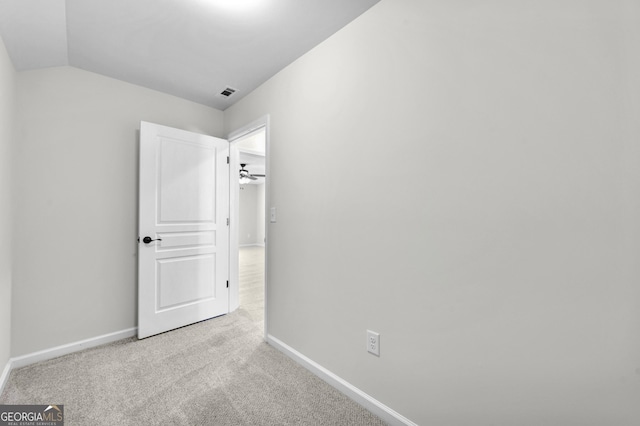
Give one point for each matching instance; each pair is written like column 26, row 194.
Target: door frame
column 234, row 196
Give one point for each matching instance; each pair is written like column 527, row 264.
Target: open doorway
column 249, row 220
column 251, row 223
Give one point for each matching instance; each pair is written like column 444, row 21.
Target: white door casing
column 233, row 137
column 184, row 206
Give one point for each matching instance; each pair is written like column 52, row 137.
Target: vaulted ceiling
column 192, row 49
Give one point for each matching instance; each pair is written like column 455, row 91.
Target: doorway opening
column 249, row 193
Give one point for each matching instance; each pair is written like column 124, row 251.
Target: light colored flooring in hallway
column 252, row 282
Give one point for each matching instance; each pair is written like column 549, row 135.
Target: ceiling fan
column 245, row 176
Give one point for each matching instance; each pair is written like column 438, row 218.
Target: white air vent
column 228, row 92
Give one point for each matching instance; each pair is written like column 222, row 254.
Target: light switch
column 273, row 215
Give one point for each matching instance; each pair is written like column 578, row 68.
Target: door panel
column 186, row 182
column 186, row 240
column 184, row 206
column 171, row 273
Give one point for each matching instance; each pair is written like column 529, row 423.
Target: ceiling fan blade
column 244, row 173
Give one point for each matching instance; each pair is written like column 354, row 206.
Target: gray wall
column 247, row 229
column 251, row 228
column 76, row 167
column 7, row 110
column 492, row 233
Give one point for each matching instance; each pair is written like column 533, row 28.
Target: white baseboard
column 47, row 354
column 5, row 376
column 373, row 405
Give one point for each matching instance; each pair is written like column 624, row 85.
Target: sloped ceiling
column 188, row 48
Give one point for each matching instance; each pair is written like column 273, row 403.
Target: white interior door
column 183, row 271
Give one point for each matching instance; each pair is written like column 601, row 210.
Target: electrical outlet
column 373, row 342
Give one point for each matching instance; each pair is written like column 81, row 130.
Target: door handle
column 147, row 240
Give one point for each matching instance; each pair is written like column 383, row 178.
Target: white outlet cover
column 373, row 342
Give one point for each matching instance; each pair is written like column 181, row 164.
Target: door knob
column 147, row 240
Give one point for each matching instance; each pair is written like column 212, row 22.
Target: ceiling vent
column 228, row 92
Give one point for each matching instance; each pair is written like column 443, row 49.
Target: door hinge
column 227, row 221
column 227, row 159
column 227, row 283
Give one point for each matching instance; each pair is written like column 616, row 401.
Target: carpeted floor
column 217, row 372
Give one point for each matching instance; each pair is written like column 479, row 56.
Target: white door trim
column 234, row 136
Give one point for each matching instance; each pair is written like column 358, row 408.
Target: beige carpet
column 217, row 372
